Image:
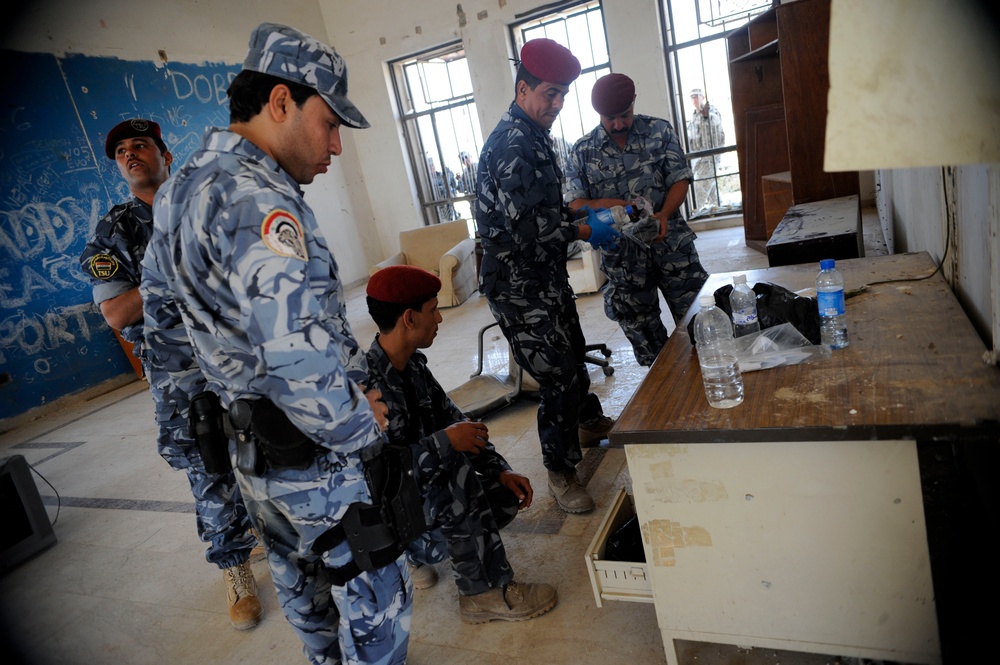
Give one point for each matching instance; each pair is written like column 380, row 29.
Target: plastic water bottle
column 716, row 346
column 616, row 216
column 743, row 302
column 830, row 298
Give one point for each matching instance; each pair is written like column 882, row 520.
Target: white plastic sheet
column 776, row 346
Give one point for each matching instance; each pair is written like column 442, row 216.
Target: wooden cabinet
column 779, row 78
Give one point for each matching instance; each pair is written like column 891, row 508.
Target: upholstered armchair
column 447, row 251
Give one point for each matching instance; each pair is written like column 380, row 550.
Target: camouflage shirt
column 113, row 256
column 237, row 254
column 422, row 422
column 705, row 131
column 524, row 227
column 649, row 165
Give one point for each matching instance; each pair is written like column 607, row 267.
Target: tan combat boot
column 424, row 576
column 569, row 493
column 514, row 602
column 244, row 606
column 592, row 433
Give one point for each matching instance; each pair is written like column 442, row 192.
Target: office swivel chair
column 485, row 393
column 603, row 363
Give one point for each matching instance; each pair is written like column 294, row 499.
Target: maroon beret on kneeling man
column 403, row 285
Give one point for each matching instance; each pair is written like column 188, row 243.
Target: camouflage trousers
column 464, row 512
column 549, row 345
column 366, row 620
column 221, row 517
column 635, row 275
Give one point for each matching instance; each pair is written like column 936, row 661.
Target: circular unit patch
column 103, row 266
column 283, row 235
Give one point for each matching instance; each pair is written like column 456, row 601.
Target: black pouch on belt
column 393, row 486
column 205, row 419
column 249, row 457
column 284, row 444
column 379, row 532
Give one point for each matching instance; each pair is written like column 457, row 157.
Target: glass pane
column 442, row 132
column 599, row 42
column 699, row 19
column 461, row 81
column 705, row 67
column 414, row 100
column 702, row 62
column 437, row 83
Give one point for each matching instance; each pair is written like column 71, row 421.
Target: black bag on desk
column 775, row 305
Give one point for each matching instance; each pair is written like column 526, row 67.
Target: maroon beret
column 550, row 61
column 403, row 285
column 131, row 129
column 612, row 94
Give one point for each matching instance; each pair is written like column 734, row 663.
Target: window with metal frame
column 441, row 127
column 699, row 80
column 579, row 26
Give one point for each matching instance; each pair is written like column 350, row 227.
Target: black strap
column 329, row 540
column 372, row 543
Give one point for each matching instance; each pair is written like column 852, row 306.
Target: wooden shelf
column 767, row 50
column 779, row 76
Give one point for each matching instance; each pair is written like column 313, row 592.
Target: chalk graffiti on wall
column 55, row 184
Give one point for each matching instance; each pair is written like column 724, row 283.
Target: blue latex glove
column 602, row 235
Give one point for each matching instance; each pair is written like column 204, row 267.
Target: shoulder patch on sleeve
column 282, row 233
column 103, row 266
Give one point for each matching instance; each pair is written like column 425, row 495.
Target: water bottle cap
column 827, row 264
column 740, row 279
column 705, row 301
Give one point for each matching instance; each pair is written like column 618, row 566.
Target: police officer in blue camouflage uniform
column 525, row 232
column 112, row 260
column 626, row 157
column 241, row 281
column 468, row 488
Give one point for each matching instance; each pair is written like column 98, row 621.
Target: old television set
column 24, row 525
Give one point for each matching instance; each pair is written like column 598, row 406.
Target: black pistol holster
column 266, row 438
column 378, row 533
column 205, row 418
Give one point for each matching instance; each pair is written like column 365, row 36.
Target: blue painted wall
column 55, row 183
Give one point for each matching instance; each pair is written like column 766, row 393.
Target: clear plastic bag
column 775, row 346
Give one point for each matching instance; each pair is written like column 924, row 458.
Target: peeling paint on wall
column 687, row 491
column 665, row 536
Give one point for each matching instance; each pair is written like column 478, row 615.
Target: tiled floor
column 127, row 582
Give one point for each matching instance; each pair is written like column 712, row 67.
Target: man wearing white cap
column 704, row 133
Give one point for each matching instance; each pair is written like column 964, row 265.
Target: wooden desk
column 812, row 538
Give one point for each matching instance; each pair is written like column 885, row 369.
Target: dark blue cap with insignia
column 294, row 56
column 130, row 129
